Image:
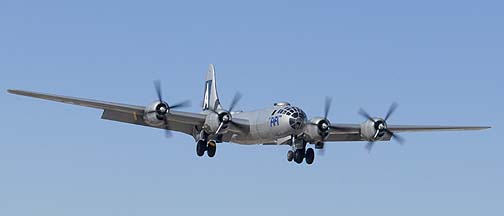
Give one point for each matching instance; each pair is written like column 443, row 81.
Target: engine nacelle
column 316, row 130
column 213, row 121
column 373, row 130
column 154, row 114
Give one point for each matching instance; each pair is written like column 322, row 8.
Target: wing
column 351, row 132
column 346, row 132
column 184, row 127
column 420, row 128
column 179, row 121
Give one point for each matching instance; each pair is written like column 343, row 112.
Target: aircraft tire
column 211, row 149
column 200, row 148
column 290, row 155
column 310, row 156
column 299, row 156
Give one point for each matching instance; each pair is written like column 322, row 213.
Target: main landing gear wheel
column 299, row 156
column 290, row 155
column 310, row 156
column 211, row 149
column 200, row 148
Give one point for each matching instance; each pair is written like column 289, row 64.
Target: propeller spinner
column 324, row 125
column 226, row 117
column 380, row 125
column 162, row 109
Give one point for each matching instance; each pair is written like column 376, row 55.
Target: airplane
column 281, row 124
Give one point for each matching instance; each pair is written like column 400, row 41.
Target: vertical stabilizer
column 211, row 98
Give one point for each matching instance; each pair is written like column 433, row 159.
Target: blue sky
column 440, row 60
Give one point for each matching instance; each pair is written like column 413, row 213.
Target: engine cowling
column 317, row 130
column 214, row 120
column 155, row 113
column 373, row 130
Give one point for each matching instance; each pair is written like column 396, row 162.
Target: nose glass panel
column 297, row 117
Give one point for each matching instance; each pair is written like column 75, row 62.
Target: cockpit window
column 297, row 117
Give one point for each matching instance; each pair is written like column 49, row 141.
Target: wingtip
column 483, row 127
column 18, row 92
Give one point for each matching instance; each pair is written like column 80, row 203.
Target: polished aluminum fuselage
column 266, row 127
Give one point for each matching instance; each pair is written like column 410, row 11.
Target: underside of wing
column 344, row 132
column 82, row 102
column 179, row 121
column 347, row 137
column 427, row 128
column 183, row 127
column 352, row 132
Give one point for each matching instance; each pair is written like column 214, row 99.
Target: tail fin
column 211, row 98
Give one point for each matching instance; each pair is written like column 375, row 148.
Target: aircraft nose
column 297, row 123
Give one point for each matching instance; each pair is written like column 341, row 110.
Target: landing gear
column 290, row 155
column 211, row 149
column 310, row 156
column 200, row 148
column 301, row 154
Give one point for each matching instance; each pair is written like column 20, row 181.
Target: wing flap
column 183, row 127
column 349, row 137
column 186, row 117
column 345, row 128
column 123, row 117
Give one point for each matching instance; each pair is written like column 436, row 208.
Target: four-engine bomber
column 281, row 124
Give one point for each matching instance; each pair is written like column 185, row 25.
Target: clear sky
column 442, row 61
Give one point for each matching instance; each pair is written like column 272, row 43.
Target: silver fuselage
column 270, row 124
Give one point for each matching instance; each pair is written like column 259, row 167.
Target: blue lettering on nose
column 274, row 121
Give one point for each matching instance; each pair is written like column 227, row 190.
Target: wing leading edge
column 426, row 128
column 179, row 121
column 82, row 102
column 355, row 128
column 351, row 132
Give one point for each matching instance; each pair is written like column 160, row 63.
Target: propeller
column 381, row 125
column 236, row 98
column 163, row 108
column 324, row 126
column 226, row 117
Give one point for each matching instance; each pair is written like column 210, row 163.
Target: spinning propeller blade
column 390, row 111
column 166, row 110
